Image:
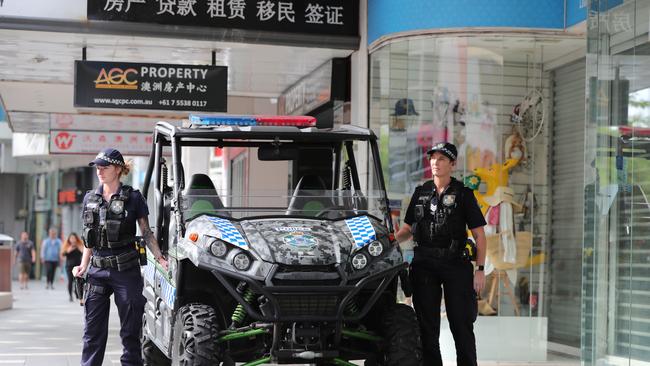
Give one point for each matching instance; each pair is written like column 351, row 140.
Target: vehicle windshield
column 315, row 180
column 310, row 203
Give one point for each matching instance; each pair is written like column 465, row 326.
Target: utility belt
column 121, row 262
column 453, row 251
column 464, row 249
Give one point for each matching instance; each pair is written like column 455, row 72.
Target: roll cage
column 168, row 135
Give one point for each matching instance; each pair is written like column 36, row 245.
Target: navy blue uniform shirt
column 135, row 208
column 469, row 206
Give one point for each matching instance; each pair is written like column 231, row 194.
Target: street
column 44, row 328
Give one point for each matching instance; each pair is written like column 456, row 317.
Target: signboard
column 326, row 17
column 89, row 142
column 70, row 196
column 65, row 121
column 326, row 83
column 127, row 85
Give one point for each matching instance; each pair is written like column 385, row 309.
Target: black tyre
column 195, row 336
column 401, row 332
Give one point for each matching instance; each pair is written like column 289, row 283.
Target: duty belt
column 438, row 252
column 121, row 262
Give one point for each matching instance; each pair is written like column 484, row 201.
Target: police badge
column 117, row 206
column 449, row 200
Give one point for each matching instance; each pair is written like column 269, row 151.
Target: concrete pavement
column 44, row 329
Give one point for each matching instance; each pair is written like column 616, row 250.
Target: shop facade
column 508, row 88
column 616, row 273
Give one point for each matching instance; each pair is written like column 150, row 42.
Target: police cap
column 107, row 157
column 446, row 148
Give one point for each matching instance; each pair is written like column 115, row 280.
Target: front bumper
column 318, row 301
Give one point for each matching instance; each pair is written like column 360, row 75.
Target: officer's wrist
column 480, row 267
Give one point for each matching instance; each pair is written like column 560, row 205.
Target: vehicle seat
column 202, row 197
column 307, row 198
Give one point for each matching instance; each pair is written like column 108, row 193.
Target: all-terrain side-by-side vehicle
column 292, row 261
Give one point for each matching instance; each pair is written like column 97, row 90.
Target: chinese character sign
column 326, row 17
column 150, row 86
column 89, row 142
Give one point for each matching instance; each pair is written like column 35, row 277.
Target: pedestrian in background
column 111, row 259
column 25, row 257
column 50, row 249
column 71, row 252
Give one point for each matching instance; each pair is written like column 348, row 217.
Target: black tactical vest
column 445, row 227
column 105, row 225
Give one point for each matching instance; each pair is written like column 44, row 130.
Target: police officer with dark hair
column 437, row 219
column 112, row 259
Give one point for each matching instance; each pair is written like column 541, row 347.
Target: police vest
column 445, row 227
column 105, row 226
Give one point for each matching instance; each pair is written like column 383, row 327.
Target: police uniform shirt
column 134, row 208
column 468, row 205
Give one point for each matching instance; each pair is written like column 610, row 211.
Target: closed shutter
column 567, row 204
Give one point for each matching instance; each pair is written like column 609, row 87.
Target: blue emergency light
column 233, row 120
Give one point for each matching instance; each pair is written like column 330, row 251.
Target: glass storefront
column 489, row 94
column 616, row 253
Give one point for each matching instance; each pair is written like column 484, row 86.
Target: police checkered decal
column 228, row 232
column 150, row 272
column 362, row 230
column 167, row 292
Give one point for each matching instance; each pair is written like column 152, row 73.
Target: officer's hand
column 163, row 262
column 479, row 281
column 78, row 271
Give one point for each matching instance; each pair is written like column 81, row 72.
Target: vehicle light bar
column 231, row 120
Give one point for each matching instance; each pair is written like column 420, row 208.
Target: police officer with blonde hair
column 437, row 218
column 111, row 259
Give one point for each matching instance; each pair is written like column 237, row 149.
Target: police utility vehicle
column 291, row 260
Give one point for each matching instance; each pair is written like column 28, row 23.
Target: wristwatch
column 480, row 267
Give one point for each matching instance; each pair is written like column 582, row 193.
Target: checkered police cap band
column 447, row 152
column 445, row 148
column 108, row 159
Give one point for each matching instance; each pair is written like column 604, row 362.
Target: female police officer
column 437, row 218
column 112, row 260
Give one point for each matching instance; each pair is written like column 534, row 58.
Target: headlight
column 375, row 249
column 241, row 261
column 218, row 248
column 359, row 261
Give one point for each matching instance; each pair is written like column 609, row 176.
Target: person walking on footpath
column 111, row 259
column 71, row 252
column 50, row 249
column 437, row 219
column 25, row 257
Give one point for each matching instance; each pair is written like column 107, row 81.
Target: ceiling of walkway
column 37, row 68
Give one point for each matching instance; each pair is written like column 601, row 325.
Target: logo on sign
column 117, row 78
column 64, row 140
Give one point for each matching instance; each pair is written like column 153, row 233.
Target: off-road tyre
column 195, row 336
column 401, row 332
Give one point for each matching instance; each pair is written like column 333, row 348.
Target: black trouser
column 68, row 271
column 50, row 269
column 429, row 276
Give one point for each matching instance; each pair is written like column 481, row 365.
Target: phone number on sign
column 183, row 103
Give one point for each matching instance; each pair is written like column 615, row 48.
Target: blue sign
column 390, row 16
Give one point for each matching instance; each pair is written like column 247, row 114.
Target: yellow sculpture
column 494, row 176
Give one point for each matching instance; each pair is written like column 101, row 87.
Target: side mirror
column 270, row 153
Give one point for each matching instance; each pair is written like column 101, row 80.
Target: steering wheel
column 331, row 209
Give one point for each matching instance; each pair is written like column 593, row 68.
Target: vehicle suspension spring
column 239, row 314
column 351, row 307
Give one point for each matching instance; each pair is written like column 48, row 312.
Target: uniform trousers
column 429, row 276
column 127, row 287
